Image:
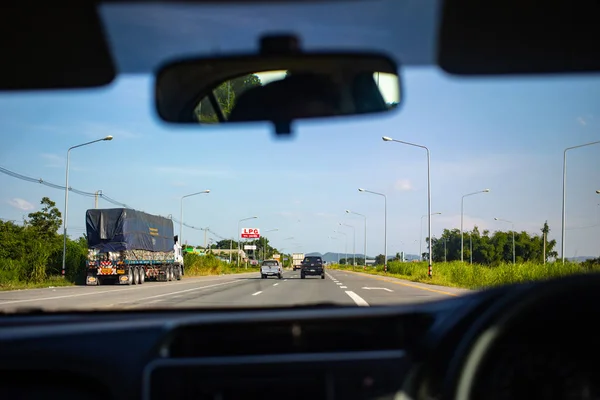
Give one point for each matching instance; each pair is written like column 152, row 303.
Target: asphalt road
column 241, row 290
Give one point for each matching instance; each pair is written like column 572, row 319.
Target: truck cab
column 178, row 257
column 271, row 268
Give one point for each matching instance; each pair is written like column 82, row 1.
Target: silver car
column 270, row 268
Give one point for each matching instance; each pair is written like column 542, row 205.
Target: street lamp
column 64, row 257
column 564, row 199
column 265, row 242
column 421, row 238
column 384, row 223
column 461, row 220
column 181, row 213
column 365, row 217
column 239, row 235
column 389, row 139
column 354, row 243
column 345, row 245
column 513, row 235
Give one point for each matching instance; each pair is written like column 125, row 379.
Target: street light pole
column 513, row 236
column 389, row 139
column 239, row 236
column 353, row 243
column 64, row 255
column 365, row 217
column 461, row 220
column 421, row 238
column 181, row 214
column 564, row 193
column 384, row 223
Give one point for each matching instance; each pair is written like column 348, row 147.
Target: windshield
column 161, row 215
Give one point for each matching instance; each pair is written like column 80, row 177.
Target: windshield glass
column 186, row 215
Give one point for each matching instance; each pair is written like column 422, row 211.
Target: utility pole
column 96, row 198
column 544, row 247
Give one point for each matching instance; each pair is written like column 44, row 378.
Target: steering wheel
column 566, row 303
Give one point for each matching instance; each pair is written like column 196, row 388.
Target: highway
column 238, row 290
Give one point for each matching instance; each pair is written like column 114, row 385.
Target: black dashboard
column 522, row 341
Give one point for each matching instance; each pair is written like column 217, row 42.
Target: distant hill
column 580, row 258
column 333, row 257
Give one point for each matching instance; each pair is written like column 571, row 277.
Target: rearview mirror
column 279, row 85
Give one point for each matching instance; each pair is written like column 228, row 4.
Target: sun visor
column 496, row 37
column 53, row 45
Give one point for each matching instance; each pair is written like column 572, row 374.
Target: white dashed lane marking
column 257, row 293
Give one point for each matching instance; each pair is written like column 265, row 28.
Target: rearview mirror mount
column 280, row 84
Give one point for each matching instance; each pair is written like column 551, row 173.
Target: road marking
column 257, row 293
column 285, row 280
column 343, row 287
column 338, row 283
column 377, row 288
column 275, row 284
column 357, row 299
column 410, row 285
column 182, row 291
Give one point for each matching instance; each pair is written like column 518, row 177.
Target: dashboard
column 523, row 341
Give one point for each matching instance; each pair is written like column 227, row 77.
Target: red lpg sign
column 250, row 233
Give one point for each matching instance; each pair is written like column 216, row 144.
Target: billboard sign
column 250, row 233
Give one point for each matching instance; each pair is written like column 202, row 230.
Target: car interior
column 530, row 340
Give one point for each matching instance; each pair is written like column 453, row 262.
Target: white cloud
column 403, row 185
column 21, row 204
column 582, row 121
column 53, row 160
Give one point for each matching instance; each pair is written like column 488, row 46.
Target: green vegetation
column 477, row 276
column 226, row 96
column 31, row 253
column 197, row 265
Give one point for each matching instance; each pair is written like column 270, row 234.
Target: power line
column 76, row 191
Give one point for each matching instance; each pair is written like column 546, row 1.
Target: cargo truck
column 297, row 259
column 128, row 247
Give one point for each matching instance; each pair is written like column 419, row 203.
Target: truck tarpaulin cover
column 119, row 229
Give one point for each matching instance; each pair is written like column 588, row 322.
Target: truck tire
column 136, row 275
column 142, row 275
column 179, row 273
column 130, row 276
column 302, row 276
column 169, row 274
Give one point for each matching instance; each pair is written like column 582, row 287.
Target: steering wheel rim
column 480, row 339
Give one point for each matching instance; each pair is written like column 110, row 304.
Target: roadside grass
column 52, row 281
column 196, row 265
column 473, row 276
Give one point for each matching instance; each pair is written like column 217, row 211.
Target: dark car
column 312, row 265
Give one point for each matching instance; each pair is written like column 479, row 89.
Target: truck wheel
column 179, row 273
column 142, row 275
column 323, row 276
column 302, row 276
column 136, row 276
column 170, row 272
column 279, row 276
column 130, row 276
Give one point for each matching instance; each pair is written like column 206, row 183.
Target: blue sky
column 506, row 134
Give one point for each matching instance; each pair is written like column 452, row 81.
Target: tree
column 226, row 95
column 47, row 221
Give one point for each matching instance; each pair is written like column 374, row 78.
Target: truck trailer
column 128, row 247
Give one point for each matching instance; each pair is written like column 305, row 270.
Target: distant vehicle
column 127, row 247
column 297, row 260
column 270, row 268
column 312, row 265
